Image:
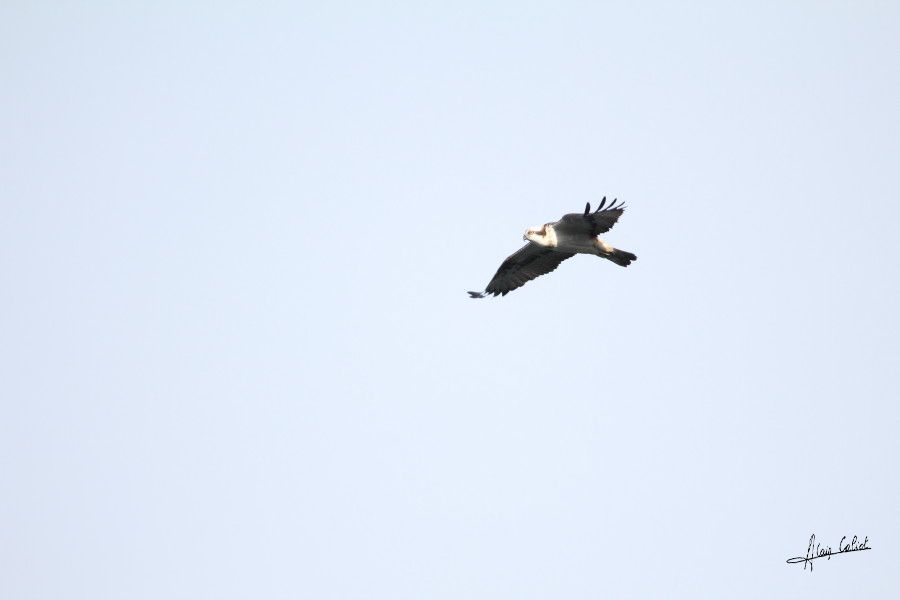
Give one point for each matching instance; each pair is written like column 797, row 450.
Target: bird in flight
column 552, row 243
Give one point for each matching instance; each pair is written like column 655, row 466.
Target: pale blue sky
column 238, row 360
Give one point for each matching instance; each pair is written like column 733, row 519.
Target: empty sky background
column 237, row 356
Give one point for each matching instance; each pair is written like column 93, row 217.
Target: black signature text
column 816, row 550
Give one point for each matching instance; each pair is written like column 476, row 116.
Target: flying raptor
column 552, row 243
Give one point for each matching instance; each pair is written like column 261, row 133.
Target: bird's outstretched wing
column 590, row 223
column 528, row 262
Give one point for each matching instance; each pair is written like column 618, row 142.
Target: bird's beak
column 525, row 236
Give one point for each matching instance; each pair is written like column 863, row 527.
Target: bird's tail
column 623, row 258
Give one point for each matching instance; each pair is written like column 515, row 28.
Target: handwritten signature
column 816, row 550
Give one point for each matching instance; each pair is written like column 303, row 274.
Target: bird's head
column 538, row 235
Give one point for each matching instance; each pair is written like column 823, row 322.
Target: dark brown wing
column 528, row 262
column 590, row 223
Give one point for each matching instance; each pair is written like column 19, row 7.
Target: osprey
column 553, row 243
